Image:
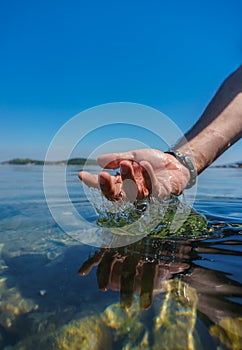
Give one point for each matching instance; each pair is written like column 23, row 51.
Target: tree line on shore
column 71, row 161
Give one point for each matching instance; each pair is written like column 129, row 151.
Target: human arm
column 149, row 171
column 219, row 127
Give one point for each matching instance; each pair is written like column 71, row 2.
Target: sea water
column 158, row 293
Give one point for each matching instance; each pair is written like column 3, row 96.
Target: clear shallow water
column 59, row 294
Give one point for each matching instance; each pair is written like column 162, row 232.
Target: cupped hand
column 141, row 173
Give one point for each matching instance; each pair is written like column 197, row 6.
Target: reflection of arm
column 219, row 126
column 213, row 288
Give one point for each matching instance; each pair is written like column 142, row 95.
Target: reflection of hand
column 130, row 274
column 142, row 172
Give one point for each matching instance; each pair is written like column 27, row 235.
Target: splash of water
column 166, row 218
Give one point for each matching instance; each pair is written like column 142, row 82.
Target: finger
column 136, row 180
column 116, row 274
column 159, row 189
column 112, row 160
column 104, row 270
column 110, row 186
column 127, row 281
column 148, row 176
column 129, row 184
column 90, row 180
column 147, row 285
column 90, row 263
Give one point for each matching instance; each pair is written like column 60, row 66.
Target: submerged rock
column 12, row 305
column 127, row 329
column 174, row 325
column 87, row 333
column 115, row 328
column 116, row 317
column 84, row 334
column 229, row 332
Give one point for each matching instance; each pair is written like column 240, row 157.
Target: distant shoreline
column 71, row 161
column 235, row 165
column 83, row 161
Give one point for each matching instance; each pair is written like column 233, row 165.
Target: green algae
column 184, row 223
column 170, row 218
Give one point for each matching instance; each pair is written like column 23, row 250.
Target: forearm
column 219, row 127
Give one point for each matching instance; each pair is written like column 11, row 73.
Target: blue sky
column 61, row 57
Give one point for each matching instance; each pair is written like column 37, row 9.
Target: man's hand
column 142, row 173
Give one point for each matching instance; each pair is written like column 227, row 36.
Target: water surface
column 57, row 293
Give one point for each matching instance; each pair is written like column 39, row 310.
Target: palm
column 142, row 173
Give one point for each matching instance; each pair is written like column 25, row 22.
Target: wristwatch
column 186, row 161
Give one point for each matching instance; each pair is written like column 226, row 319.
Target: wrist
column 180, row 175
column 189, row 173
column 205, row 148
